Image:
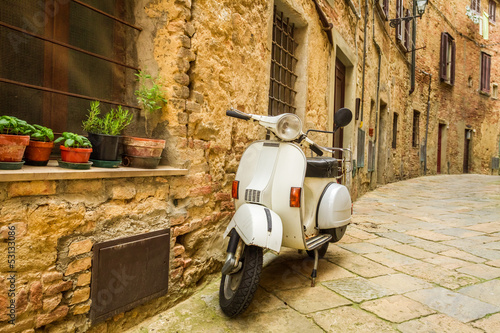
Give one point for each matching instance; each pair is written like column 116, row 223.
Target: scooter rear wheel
column 237, row 289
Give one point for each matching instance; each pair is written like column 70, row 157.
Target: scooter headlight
column 289, row 127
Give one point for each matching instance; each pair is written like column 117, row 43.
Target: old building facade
column 310, row 57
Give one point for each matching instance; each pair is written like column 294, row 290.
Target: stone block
column 183, row 66
column 80, row 247
column 182, row 79
column 51, row 303
column 193, row 106
column 181, row 91
column 86, row 186
column 21, row 301
column 51, row 277
column 198, row 97
column 182, row 118
column 51, row 317
column 58, row 288
column 78, row 266
column 123, row 192
column 80, row 295
column 38, row 187
column 81, row 309
column 20, row 326
column 185, row 41
column 187, row 54
column 20, row 229
column 189, row 29
column 84, row 279
column 178, row 250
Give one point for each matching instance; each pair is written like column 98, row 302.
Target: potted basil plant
column 14, row 137
column 75, row 151
column 104, row 132
column 40, row 147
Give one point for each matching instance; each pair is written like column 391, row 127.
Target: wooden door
column 439, row 148
column 339, row 100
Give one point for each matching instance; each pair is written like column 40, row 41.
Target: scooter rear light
column 234, row 189
column 295, row 196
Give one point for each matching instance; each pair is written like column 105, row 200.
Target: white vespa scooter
column 284, row 199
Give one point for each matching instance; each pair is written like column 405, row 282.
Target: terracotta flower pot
column 143, row 147
column 12, row 147
column 38, row 152
column 75, row 155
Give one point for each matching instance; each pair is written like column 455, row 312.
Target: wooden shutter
column 399, row 12
column 485, row 72
column 386, row 8
column 452, row 70
column 407, row 31
column 443, row 56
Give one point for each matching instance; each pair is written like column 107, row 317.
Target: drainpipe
column 379, row 51
column 414, row 39
column 353, row 8
column 364, row 65
column 427, row 121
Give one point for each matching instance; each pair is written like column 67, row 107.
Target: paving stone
column 459, row 232
column 458, row 306
column 358, row 289
column 359, row 265
column 439, row 275
column 495, row 263
column 430, row 235
column 326, row 270
column 360, row 234
column 397, row 308
column 362, row 248
column 281, row 277
column 350, row 319
column 401, row 283
column 436, row 323
column 286, row 320
column 384, row 242
column 447, row 262
column 398, row 237
column 481, row 271
column 411, row 251
column 490, row 324
column 431, row 246
column 490, row 227
column 488, row 292
column 391, row 259
column 263, row 301
column 458, row 254
column 312, row 299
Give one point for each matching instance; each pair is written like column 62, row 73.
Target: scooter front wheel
column 237, row 289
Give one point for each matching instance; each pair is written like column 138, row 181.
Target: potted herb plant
column 104, row 131
column 75, row 149
column 145, row 152
column 14, row 137
column 40, row 146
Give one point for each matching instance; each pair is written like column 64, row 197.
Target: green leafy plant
column 74, row 140
column 15, row 126
column 150, row 93
column 113, row 123
column 42, row 133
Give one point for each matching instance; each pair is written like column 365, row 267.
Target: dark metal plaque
column 127, row 272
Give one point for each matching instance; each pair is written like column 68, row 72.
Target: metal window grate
column 283, row 77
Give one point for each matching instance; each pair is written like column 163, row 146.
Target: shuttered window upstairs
column 485, row 72
column 447, row 59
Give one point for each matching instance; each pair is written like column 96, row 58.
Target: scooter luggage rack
column 346, row 161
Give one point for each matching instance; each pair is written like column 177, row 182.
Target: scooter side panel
column 257, row 225
column 335, row 207
column 247, row 169
column 290, row 172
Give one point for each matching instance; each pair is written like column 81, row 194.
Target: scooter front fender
column 257, row 225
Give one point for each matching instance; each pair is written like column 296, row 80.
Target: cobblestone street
column 422, row 255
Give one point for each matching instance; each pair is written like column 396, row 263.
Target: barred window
column 58, row 55
column 416, row 128
column 283, row 62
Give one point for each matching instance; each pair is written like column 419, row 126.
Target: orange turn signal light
column 295, row 196
column 234, row 189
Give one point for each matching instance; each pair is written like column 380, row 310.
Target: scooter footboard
column 257, row 225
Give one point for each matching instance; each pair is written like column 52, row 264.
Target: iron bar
column 107, row 15
column 60, row 92
column 53, row 41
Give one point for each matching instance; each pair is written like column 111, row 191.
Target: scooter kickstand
column 315, row 269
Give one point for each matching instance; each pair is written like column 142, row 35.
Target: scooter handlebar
column 315, row 148
column 238, row 114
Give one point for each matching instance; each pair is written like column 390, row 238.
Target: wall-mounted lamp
column 420, row 10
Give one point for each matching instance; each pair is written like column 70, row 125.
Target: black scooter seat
column 322, row 167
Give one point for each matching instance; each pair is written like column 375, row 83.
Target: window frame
column 395, row 118
column 447, row 62
column 485, row 73
column 415, row 129
column 475, row 5
column 383, row 7
column 492, row 8
column 400, row 26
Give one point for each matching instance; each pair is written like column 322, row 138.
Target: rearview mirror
column 342, row 117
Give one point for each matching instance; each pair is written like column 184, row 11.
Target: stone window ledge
column 53, row 172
